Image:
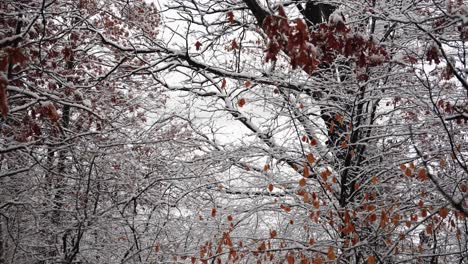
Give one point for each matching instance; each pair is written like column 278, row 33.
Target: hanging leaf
column 198, row 45
column 310, row 158
column 331, row 254
column 332, row 127
column 290, row 259
column 306, row 171
column 241, row 102
column 318, row 260
column 443, row 212
column 316, row 204
column 273, row 233
column 302, row 182
column 229, row 218
column 422, row 174
column 344, row 145
column 429, row 229
column 234, row 44
column 424, row 212
column 223, row 84
column 408, row 172
column 213, row 212
column 371, row 260
column 248, row 84
column 374, row 180
column 324, row 174
column 313, row 142
column 230, row 16
column 51, row 112
column 286, row 208
column 270, row 187
column 339, row 118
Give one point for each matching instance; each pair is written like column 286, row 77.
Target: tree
column 233, row 131
column 87, row 141
column 343, row 131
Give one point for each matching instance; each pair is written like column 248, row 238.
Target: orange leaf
column 408, row 172
column 429, row 229
column 420, row 203
column 311, row 241
column 316, row 204
column 339, row 118
column 286, row 208
column 302, row 182
column 317, row 261
column 310, row 158
column 424, row 212
column 270, row 187
column 371, row 260
column 229, row 218
column 422, row 174
column 331, row 254
column 290, row 259
column 443, row 212
column 266, row 167
column 332, row 127
column 402, row 167
column 344, row 145
column 273, row 233
column 248, row 84
column 241, row 102
column 262, row 247
column 223, row 84
column 306, row 172
column 374, row 180
column 324, row 174
column 213, row 212
column 313, row 142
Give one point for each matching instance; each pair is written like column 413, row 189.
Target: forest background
column 238, row 131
